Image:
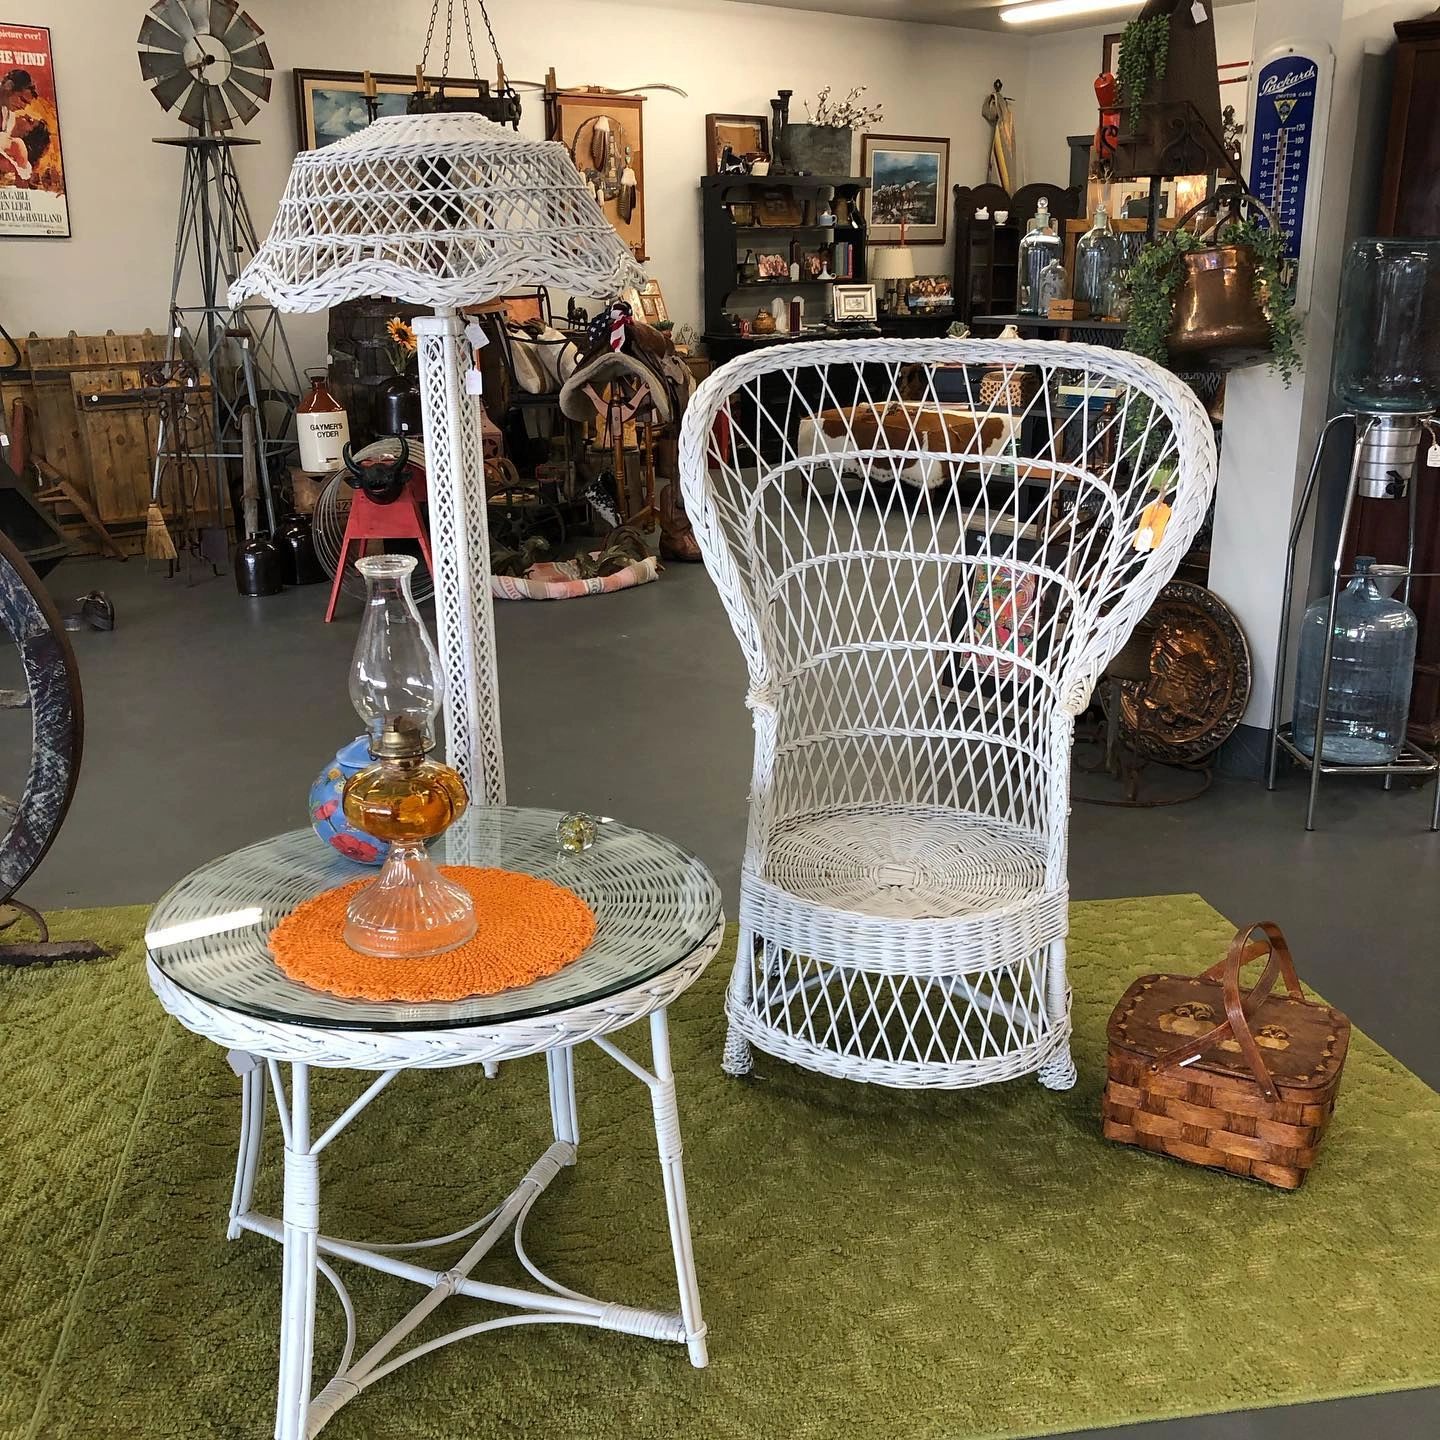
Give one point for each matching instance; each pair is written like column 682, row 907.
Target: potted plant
column 400, row 395
column 1216, row 296
column 824, row 144
column 1144, row 51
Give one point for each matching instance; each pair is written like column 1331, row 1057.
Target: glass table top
column 654, row 905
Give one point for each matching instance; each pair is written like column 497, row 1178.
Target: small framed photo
column 850, row 303
column 1110, row 53
column 748, row 137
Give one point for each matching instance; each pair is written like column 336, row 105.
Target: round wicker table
column 659, row 922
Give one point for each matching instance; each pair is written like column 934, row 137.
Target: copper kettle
column 1219, row 316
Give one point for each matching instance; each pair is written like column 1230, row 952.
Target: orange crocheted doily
column 529, row 928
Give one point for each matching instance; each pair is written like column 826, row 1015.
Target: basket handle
column 1241, row 1009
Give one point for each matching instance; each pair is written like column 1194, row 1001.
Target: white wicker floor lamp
column 926, row 581
column 444, row 210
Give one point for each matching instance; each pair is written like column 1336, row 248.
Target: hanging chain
column 494, row 44
column 469, row 36
column 429, row 35
column 470, row 41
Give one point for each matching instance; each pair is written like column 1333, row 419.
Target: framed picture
column 748, row 136
column 909, row 187
column 852, row 303
column 604, row 135
column 32, row 174
column 330, row 104
column 1110, row 53
column 649, row 304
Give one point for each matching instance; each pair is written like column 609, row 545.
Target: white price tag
column 1432, row 456
column 474, row 385
column 1198, row 12
column 4, row 441
column 475, row 334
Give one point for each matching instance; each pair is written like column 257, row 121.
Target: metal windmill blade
column 205, row 58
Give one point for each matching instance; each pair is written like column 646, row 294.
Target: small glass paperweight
column 576, row 832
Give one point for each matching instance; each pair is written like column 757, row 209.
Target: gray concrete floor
column 207, row 716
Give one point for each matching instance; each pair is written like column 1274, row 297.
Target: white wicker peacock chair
column 926, row 590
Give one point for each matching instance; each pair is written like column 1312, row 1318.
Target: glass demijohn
column 1038, row 247
column 1097, row 263
column 1371, row 669
column 1387, row 359
column 404, row 799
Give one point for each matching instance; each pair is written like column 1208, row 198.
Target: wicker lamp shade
column 446, row 210
column 438, row 209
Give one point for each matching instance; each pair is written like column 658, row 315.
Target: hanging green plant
column 1156, row 275
column 1144, row 51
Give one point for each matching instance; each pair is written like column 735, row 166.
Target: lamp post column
column 460, row 543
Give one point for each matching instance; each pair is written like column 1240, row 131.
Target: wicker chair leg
column 1058, row 1072
column 738, row 1058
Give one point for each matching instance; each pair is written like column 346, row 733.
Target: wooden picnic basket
column 1239, row 1082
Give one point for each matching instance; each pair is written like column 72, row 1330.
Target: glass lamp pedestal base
column 410, row 910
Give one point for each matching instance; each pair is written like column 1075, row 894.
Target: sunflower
column 402, row 342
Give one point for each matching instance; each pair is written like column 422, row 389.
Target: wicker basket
column 1251, row 1094
column 1008, row 389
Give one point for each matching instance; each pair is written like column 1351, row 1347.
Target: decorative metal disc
column 206, row 59
column 1199, row 680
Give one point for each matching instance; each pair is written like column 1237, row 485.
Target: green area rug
column 872, row 1264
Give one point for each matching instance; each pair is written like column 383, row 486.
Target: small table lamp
column 443, row 209
column 892, row 263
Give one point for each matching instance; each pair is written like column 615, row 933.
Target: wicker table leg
column 667, row 1134
column 297, row 1287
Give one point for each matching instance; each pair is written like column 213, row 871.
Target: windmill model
column 206, row 60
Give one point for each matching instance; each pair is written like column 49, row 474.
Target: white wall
column 1058, row 83
column 115, row 271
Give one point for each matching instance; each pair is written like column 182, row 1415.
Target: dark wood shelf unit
column 987, row 269
column 720, row 234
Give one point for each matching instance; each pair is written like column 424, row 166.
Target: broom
column 158, row 544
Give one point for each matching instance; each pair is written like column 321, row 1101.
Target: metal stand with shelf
column 1411, row 760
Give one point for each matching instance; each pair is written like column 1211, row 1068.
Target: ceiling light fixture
column 1037, row 10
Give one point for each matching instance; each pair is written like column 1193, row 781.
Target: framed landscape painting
column 909, row 187
column 330, row 104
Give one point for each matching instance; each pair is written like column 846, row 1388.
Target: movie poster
column 32, row 175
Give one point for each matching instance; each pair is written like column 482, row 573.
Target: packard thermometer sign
column 1288, row 115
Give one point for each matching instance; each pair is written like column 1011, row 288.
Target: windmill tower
column 206, row 60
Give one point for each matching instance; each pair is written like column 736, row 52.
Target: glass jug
column 1387, row 359
column 1038, row 247
column 1371, row 669
column 1097, row 264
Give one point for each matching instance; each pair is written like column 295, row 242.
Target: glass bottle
column 1370, row 671
column 1387, row 358
column 1038, row 247
column 323, row 428
column 1097, row 262
column 404, row 799
column 1054, row 284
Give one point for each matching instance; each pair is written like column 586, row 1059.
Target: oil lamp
column 404, row 798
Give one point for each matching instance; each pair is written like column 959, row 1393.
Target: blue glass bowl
column 326, row 814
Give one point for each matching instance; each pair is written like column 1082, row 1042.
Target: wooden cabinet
column 777, row 215
column 1410, row 187
column 987, row 254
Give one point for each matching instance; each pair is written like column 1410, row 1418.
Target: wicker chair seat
column 904, row 889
